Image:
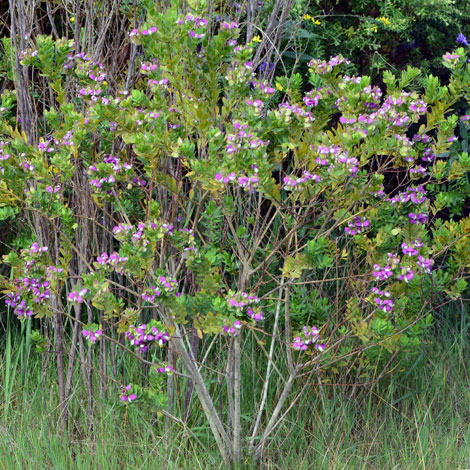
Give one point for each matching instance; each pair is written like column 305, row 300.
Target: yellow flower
column 316, row 21
column 384, row 19
column 307, row 17
column 373, row 28
column 256, row 39
column 279, row 87
column 72, row 19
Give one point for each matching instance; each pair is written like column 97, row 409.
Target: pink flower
column 77, row 296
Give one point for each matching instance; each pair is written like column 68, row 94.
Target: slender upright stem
column 237, row 402
column 269, row 367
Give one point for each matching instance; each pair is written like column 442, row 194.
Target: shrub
column 205, row 202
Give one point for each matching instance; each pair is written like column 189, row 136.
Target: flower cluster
column 233, row 329
column 165, row 287
column 425, row 263
column 357, row 226
column 53, row 189
column 30, row 292
column 105, row 174
column 382, row 273
column 240, row 72
column 406, row 274
column 310, row 336
column 312, row 98
column 91, row 92
column 263, row 87
column 322, row 67
column 420, row 218
column 241, row 300
column 412, row 248
column 227, row 178
column 142, row 234
column 292, row 183
column 255, row 314
column 44, row 146
column 28, row 166
column 77, row 295
column 92, row 333
column 288, row 111
column 382, row 299
column 114, row 260
column 397, row 111
column 127, row 397
column 3, row 156
column 256, row 104
column 87, row 68
column 461, row 39
column 165, row 369
column 371, row 96
column 139, row 235
column 334, row 156
column 226, row 25
column 35, row 248
column 313, row 20
column 144, row 335
column 246, row 182
column 384, row 20
column 242, row 139
column 451, row 59
column 148, row 67
column 414, row 195
column 143, row 32
column 197, row 22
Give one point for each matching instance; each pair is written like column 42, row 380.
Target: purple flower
column 168, row 369
column 92, row 336
column 420, row 218
column 407, row 274
column 35, row 248
column 299, row 344
column 461, row 39
column 308, row 336
column 424, row 263
column 77, row 296
column 451, row 59
column 144, row 335
column 225, row 25
column 255, row 315
column 125, row 397
column 357, row 226
column 233, row 329
column 382, row 273
column 409, row 250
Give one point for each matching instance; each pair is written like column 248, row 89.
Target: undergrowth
column 416, row 420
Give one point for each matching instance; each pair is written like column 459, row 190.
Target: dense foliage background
column 240, row 226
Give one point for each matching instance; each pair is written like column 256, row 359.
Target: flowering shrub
column 218, row 203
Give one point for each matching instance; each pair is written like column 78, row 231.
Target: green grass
column 417, row 421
